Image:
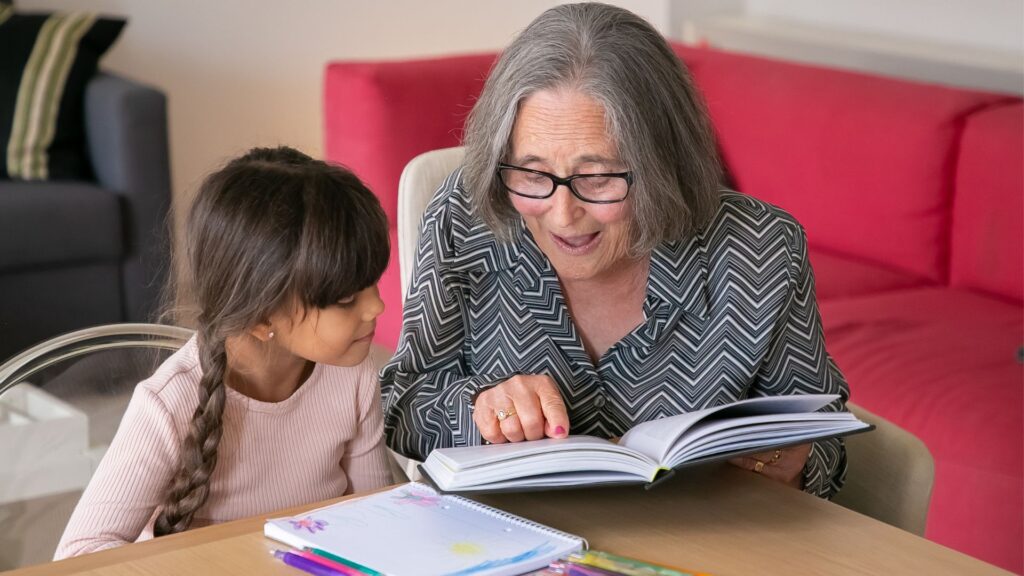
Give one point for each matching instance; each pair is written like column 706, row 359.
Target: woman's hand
column 530, row 407
column 785, row 465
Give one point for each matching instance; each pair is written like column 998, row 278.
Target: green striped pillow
column 45, row 64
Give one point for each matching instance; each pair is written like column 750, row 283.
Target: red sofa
column 912, row 196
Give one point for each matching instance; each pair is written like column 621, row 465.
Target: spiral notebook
column 412, row 530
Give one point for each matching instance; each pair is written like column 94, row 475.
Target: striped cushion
column 45, row 64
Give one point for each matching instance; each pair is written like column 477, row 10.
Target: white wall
column 965, row 43
column 241, row 73
column 989, row 24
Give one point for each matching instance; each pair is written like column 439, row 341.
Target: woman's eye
column 346, row 302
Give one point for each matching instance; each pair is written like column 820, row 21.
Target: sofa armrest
column 126, row 131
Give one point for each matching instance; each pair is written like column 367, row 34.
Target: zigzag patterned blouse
column 729, row 314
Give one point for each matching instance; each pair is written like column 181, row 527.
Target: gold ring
column 759, row 466
column 505, row 413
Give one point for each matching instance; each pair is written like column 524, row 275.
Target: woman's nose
column 565, row 207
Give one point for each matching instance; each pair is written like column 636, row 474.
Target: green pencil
column 340, row 560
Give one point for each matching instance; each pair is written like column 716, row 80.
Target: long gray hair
column 653, row 113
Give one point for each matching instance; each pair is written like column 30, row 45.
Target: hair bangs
column 344, row 246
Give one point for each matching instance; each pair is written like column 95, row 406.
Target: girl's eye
column 347, row 302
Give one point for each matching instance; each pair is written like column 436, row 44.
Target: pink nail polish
column 559, row 431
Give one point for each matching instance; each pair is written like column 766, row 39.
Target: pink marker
column 347, row 570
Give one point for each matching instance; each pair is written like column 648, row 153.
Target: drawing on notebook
column 309, row 523
column 408, row 497
column 466, row 548
column 489, row 565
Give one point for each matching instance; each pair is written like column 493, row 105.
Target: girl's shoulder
column 175, row 382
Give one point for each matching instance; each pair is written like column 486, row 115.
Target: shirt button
column 600, row 401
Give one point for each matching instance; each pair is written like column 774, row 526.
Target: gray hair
column 652, row 110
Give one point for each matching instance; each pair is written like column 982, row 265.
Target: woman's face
column 563, row 132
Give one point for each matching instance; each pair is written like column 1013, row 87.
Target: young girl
column 274, row 402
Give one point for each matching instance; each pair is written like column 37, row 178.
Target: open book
column 648, row 452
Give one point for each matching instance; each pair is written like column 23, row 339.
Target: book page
column 545, row 462
column 657, row 438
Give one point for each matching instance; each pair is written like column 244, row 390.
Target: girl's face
column 563, row 132
column 339, row 334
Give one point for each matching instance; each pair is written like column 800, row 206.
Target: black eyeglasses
column 609, row 188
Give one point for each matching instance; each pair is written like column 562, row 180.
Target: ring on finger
column 759, row 465
column 504, row 413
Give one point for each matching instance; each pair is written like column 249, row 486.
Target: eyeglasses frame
column 567, row 182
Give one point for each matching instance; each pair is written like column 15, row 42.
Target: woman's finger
column 483, row 415
column 511, row 428
column 534, row 400
column 556, row 418
column 743, row 462
column 529, row 414
column 487, row 424
column 785, row 465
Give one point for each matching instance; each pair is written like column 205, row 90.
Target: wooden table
column 719, row 520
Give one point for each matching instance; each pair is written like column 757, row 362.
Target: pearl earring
column 270, row 335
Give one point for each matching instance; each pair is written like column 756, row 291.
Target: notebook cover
column 434, row 533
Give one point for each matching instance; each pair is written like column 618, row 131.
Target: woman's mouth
column 366, row 338
column 577, row 245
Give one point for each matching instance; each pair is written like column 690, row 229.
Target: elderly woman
column 584, row 271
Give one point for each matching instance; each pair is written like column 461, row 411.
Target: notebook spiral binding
column 511, row 518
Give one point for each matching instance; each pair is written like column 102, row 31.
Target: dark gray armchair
column 81, row 253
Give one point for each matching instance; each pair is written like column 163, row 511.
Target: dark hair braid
column 191, row 485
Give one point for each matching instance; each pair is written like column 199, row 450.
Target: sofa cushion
column 865, row 163
column 380, row 115
column 40, row 303
column 988, row 207
column 46, row 62
column 43, row 224
column 839, row 276
column 944, row 364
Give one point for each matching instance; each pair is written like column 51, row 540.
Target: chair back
column 890, row 474
column 61, row 402
column 420, row 180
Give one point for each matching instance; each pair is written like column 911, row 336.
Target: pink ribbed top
column 324, row 441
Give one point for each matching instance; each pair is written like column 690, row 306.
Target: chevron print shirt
column 729, row 314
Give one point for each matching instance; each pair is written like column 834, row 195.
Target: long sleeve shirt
column 728, row 314
column 324, row 441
